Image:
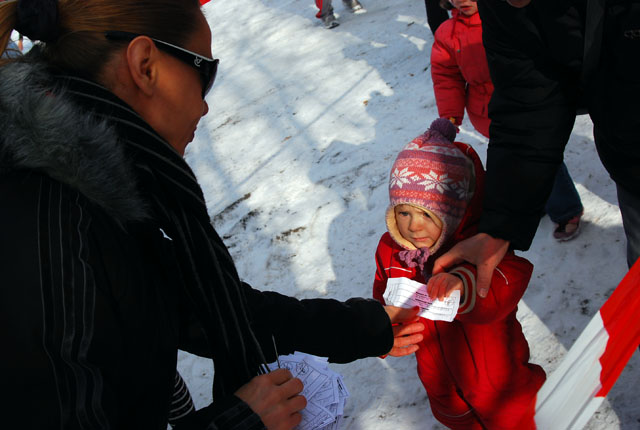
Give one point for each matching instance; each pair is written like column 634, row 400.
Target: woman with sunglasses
column 108, row 261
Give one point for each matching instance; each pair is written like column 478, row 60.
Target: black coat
column 95, row 299
column 535, row 57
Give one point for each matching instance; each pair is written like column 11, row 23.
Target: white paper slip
column 405, row 293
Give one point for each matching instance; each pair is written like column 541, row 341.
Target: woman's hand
column 407, row 331
column 481, row 250
column 276, row 398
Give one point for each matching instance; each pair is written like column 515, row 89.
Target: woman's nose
column 205, row 109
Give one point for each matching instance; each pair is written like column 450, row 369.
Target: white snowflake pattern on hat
column 400, row 177
column 461, row 188
column 440, row 183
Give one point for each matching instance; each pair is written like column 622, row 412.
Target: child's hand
column 442, row 284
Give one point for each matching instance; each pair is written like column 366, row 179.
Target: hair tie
column 38, row 19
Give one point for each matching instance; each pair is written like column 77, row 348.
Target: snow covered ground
column 294, row 158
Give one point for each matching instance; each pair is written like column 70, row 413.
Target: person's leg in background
column 564, row 206
column 435, row 14
column 353, row 6
column 629, row 204
column 612, row 96
column 325, row 13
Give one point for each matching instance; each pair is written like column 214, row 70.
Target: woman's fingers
column 406, row 338
column 276, row 398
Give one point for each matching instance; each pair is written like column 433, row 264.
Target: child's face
column 416, row 226
column 466, row 7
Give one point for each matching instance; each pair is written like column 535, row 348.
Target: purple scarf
column 415, row 257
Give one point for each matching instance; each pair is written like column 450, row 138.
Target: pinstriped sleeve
column 229, row 414
column 49, row 300
column 69, row 301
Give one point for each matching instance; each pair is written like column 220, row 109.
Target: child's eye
column 403, row 213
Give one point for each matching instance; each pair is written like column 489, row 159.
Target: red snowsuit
column 460, row 72
column 475, row 369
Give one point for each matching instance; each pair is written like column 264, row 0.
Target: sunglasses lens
column 209, row 78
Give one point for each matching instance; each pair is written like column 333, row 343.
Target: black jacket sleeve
column 532, row 112
column 342, row 331
column 49, row 301
column 86, row 333
column 227, row 414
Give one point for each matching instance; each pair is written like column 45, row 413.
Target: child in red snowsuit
column 459, row 68
column 475, row 369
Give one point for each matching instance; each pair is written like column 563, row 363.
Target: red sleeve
column 510, row 280
column 380, row 280
column 449, row 86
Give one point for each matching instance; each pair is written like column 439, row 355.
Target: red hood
column 469, row 20
column 469, row 224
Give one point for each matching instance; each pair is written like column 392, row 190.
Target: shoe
column 330, row 21
column 353, row 5
column 567, row 230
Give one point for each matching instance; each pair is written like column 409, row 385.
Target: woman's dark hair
column 80, row 45
column 446, row 5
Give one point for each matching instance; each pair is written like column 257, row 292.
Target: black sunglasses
column 207, row 67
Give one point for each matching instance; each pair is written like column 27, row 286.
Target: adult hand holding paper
column 324, row 390
column 276, row 398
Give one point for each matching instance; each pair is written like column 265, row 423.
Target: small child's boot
column 353, row 5
column 330, row 21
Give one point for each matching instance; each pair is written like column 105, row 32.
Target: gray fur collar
column 50, row 134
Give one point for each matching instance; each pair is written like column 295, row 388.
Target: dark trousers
column 564, row 202
column 629, row 204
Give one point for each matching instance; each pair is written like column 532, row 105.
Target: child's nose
column 415, row 225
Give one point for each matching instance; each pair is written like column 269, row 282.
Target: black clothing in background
column 535, row 57
column 435, row 14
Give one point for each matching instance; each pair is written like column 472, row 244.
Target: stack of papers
column 406, row 293
column 324, row 390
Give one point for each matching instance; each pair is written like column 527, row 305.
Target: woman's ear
column 142, row 60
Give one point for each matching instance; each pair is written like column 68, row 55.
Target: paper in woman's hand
column 324, row 390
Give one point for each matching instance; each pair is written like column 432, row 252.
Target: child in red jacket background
column 459, row 69
column 475, row 369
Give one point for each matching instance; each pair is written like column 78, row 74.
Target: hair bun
column 445, row 128
column 38, row 19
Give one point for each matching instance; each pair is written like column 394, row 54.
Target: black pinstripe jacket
column 108, row 265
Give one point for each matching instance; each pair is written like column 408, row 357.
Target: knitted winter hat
column 432, row 174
